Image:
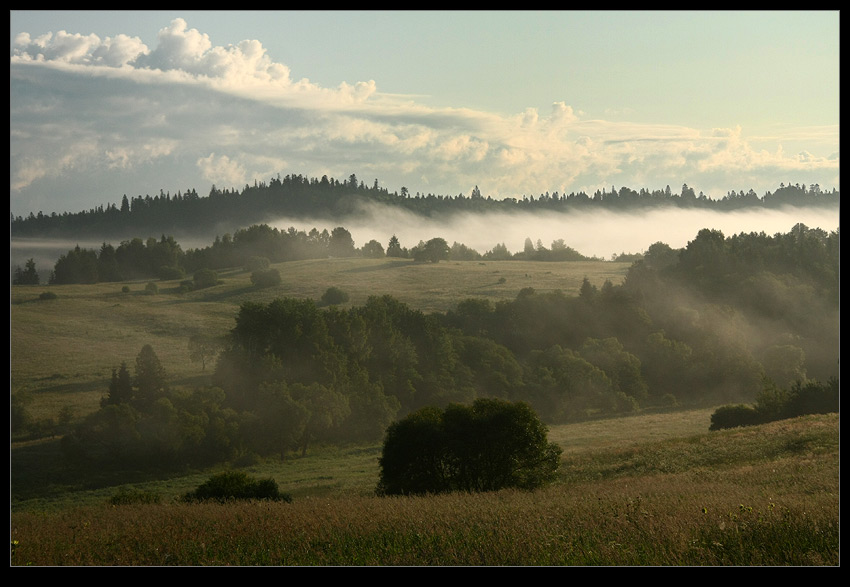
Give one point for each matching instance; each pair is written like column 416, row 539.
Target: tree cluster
column 132, row 259
column 26, row 276
column 486, row 446
column 776, row 403
column 253, row 249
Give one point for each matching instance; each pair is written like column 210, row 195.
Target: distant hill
column 298, row 196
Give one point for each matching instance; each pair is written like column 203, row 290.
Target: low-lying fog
column 596, row 233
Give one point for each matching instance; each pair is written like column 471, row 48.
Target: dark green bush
column 205, row 278
column 127, row 496
column 733, row 416
column 237, row 485
column 492, row 444
column 334, row 295
column 167, row 273
column 775, row 403
column 151, row 288
column 48, row 295
column 811, row 397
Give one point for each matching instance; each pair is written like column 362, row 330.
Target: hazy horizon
column 595, row 233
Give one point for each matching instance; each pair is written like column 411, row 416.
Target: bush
column 205, row 278
column 237, row 485
column 125, row 289
column 492, row 444
column 733, row 416
column 265, row 278
column 151, row 288
column 334, row 295
column 125, row 496
column 167, row 273
column 48, row 295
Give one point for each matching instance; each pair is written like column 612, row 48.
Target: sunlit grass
column 764, row 495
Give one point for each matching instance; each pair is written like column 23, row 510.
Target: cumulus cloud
column 229, row 114
column 222, row 170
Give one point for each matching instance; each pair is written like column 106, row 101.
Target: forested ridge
column 301, row 196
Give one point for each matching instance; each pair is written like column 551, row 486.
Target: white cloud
column 222, row 170
column 230, row 114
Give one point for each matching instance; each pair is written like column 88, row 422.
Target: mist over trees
column 748, row 317
column 743, row 318
column 300, row 196
column 254, row 248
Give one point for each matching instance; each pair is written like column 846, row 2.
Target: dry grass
column 766, row 495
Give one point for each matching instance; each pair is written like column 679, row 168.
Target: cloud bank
column 93, row 118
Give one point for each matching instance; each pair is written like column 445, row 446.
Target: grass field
column 647, row 489
column 660, row 491
column 63, row 350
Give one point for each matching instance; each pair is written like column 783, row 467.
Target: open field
column 656, row 492
column 63, row 350
column 646, row 489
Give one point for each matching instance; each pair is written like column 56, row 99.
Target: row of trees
column 300, row 196
column 776, row 403
column 253, row 248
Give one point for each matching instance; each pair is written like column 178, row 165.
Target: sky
column 108, row 103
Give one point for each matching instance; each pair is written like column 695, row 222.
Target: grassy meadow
column 63, row 350
column 647, row 489
column 659, row 491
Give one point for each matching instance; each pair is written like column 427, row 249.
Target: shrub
column 125, row 289
column 237, row 485
column 334, row 295
column 812, row 397
column 151, row 288
column 205, row 278
column 492, row 444
column 265, row 278
column 167, row 273
column 126, row 496
column 48, row 295
column 733, row 416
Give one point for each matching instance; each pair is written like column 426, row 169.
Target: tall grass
column 728, row 501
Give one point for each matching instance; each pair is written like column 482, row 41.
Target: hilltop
column 298, row 196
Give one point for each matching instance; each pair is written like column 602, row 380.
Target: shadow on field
column 202, row 295
column 94, row 385
column 381, row 267
column 40, row 470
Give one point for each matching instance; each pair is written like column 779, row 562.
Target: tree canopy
column 490, row 445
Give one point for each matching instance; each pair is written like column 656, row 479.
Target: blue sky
column 107, row 103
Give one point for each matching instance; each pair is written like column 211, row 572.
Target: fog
column 596, row 233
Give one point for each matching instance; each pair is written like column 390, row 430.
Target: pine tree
column 150, row 376
column 121, row 387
